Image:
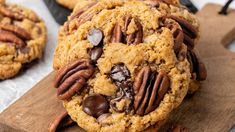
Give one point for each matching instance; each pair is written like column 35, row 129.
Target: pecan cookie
column 22, row 38
column 124, row 65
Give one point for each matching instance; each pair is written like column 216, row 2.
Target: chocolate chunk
column 150, row 88
column 125, row 91
column 95, row 105
column 119, row 73
column 96, row 53
column 95, row 36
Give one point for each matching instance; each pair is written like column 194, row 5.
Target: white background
column 12, row 89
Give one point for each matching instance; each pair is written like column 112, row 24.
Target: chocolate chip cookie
column 125, row 65
column 22, row 38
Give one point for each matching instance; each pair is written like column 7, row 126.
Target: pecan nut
column 190, row 32
column 9, row 13
column 196, row 65
column 177, row 34
column 121, row 36
column 72, row 78
column 150, row 88
column 62, row 121
column 6, row 36
column 16, row 13
column 18, row 31
column 14, row 35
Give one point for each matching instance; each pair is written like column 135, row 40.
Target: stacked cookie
column 125, row 65
column 22, row 38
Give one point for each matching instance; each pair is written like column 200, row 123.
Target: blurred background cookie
column 22, row 38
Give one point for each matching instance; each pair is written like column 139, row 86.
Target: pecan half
column 150, row 88
column 62, row 121
column 81, row 10
column 16, row 13
column 9, row 13
column 80, row 16
column 18, row 31
column 196, row 65
column 121, row 36
column 72, row 78
column 190, row 32
column 177, row 34
column 156, row 3
column 6, row 36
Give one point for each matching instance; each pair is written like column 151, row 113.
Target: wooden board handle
column 217, row 31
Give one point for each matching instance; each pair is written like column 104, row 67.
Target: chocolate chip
column 96, row 53
column 119, row 36
column 95, row 36
column 95, row 105
column 120, row 73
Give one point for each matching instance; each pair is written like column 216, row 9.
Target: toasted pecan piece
column 72, row 78
column 18, row 31
column 7, row 36
column 150, row 88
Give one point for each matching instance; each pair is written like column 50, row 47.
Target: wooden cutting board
column 211, row 109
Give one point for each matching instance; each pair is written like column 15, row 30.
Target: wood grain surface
column 211, row 109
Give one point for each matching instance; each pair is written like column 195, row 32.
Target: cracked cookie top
column 123, row 65
column 22, row 38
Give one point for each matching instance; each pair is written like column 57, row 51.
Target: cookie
column 70, row 4
column 22, row 38
column 124, row 65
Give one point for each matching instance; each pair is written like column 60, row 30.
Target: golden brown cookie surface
column 68, row 3
column 22, row 38
column 122, row 65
